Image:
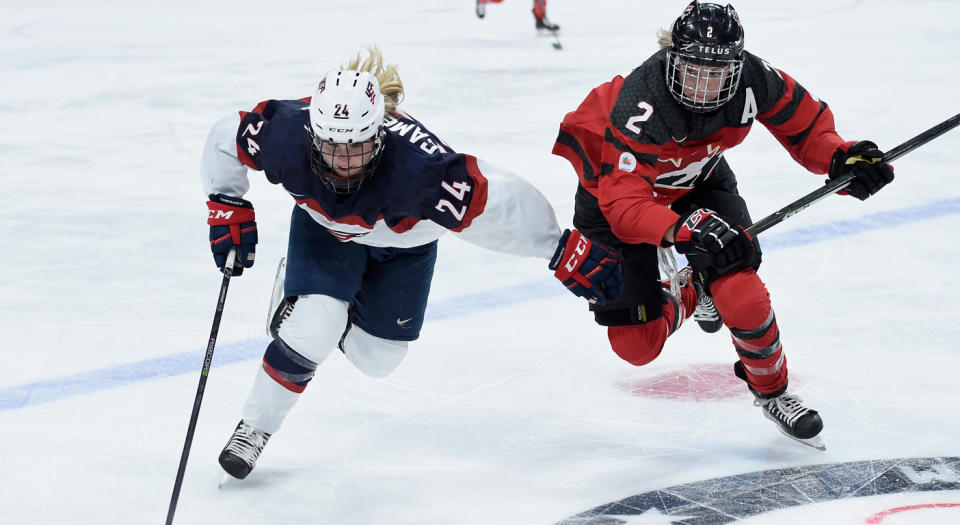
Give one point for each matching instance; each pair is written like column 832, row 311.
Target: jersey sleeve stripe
column 607, row 169
column 576, row 153
column 646, row 158
column 800, row 137
column 479, row 200
column 790, row 109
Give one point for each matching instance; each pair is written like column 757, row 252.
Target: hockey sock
column 743, row 301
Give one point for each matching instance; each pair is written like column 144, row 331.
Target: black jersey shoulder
column 766, row 82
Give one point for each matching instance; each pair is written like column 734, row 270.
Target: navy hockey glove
column 704, row 233
column 231, row 221
column 588, row 269
column 866, row 162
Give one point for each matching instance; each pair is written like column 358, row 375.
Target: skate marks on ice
column 757, row 494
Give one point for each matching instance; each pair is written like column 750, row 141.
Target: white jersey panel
column 221, row 169
column 517, row 218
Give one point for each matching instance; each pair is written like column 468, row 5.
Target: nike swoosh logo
column 403, row 322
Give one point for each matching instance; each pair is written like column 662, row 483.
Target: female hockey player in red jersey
column 374, row 190
column 648, row 150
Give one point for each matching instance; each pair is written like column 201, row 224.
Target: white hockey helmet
column 346, row 129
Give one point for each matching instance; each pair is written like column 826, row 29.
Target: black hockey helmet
column 705, row 57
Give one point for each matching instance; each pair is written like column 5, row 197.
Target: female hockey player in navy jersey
column 374, row 190
column 648, row 150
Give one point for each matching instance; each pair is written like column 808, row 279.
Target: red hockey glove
column 588, row 269
column 232, row 223
column 728, row 246
column 866, row 162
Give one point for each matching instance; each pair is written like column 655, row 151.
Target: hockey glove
column 588, row 269
column 231, row 221
column 866, row 162
column 704, row 233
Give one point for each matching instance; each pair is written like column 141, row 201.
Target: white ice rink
column 511, row 408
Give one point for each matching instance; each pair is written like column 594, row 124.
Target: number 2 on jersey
column 459, row 191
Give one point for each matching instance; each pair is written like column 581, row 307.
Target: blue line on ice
column 65, row 387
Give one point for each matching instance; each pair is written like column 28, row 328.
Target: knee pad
column 374, row 356
column 314, row 326
column 742, row 299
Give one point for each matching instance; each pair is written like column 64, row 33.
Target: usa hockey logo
column 371, row 93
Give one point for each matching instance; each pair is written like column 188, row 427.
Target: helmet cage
column 702, row 93
column 356, row 172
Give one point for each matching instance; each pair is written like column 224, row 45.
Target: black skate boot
column 481, row 8
column 243, row 449
column 794, row 420
column 542, row 22
column 706, row 314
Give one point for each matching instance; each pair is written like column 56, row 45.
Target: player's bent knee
column 314, row 326
column 374, row 356
column 637, row 344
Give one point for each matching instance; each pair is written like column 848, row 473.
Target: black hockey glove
column 703, row 233
column 588, row 268
column 866, row 162
column 232, row 224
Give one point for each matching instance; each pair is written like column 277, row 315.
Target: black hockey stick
column 840, row 183
column 228, row 269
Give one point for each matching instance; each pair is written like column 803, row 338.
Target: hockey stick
column 228, row 269
column 842, row 182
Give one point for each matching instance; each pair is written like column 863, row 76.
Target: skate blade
column 226, row 480
column 814, row 442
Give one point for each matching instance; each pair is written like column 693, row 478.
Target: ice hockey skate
column 795, row 421
column 544, row 23
column 241, row 452
column 481, row 8
column 706, row 314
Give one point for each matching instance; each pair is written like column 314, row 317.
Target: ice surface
column 511, row 408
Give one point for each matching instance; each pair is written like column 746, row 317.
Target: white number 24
column 459, row 191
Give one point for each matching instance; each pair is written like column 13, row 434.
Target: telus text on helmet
column 714, row 50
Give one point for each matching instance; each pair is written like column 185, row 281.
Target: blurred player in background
column 539, row 13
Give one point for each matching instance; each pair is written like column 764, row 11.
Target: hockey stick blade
column 840, row 183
